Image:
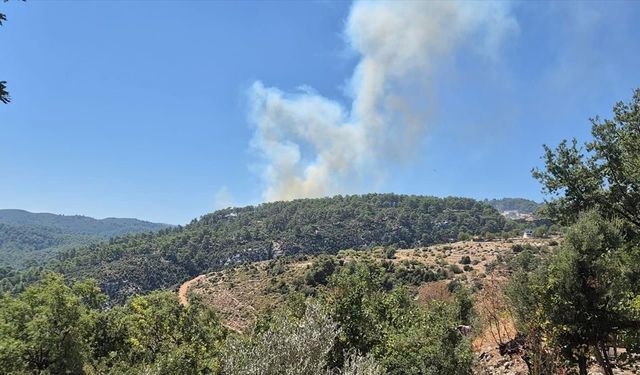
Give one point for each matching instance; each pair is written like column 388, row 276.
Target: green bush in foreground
column 356, row 325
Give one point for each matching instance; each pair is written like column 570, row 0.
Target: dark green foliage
column 47, row 328
column 455, row 268
column 517, row 248
column 390, row 252
column 4, row 95
column 14, row 281
column 604, row 174
column 79, row 225
column 415, row 273
column 583, row 293
column 355, row 322
column 405, row 338
column 28, row 238
column 144, row 262
column 320, row 271
column 465, row 260
column 57, row 329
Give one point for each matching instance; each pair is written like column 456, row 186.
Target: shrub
column 390, row 252
column 289, row 346
column 320, row 271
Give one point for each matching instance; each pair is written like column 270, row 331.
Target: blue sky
column 142, row 109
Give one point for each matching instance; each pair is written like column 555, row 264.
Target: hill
column 27, row 238
column 241, row 293
column 145, row 262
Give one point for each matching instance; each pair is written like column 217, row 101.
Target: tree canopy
column 4, row 94
column 604, row 173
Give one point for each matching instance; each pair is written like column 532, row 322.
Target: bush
column 455, row 269
column 289, row 346
column 320, row 271
column 390, row 252
column 465, row 260
column 517, row 248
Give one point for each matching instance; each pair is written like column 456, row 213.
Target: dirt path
column 184, row 288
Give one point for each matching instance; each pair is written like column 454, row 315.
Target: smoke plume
column 312, row 146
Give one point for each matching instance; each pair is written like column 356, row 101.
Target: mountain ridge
column 28, row 238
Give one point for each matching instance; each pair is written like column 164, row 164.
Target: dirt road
column 184, row 288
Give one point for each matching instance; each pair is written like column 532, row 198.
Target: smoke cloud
column 312, row 146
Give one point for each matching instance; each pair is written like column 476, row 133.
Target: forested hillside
column 27, row 238
column 78, row 224
column 144, row 262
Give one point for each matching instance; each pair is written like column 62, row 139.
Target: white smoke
column 313, row 146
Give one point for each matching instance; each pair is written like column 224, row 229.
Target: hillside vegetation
column 27, row 238
column 144, row 262
column 240, row 294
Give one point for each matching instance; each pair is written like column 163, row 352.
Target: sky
column 166, row 111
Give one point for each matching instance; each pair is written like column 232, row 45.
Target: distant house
column 528, row 233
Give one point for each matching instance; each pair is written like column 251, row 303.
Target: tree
column 583, row 294
column 4, row 95
column 287, row 346
column 46, row 329
column 404, row 337
column 603, row 174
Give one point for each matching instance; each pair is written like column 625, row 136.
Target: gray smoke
column 312, row 146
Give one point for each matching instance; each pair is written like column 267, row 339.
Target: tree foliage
column 603, row 174
column 584, row 293
column 4, row 94
column 54, row 328
column 33, row 238
column 145, row 262
column 370, row 328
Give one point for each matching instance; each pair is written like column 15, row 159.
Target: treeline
column 356, row 324
column 145, row 262
column 24, row 246
column 28, row 238
column 78, row 224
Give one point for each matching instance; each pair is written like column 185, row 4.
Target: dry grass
column 241, row 293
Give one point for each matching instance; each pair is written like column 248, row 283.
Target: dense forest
column 144, row 262
column 78, row 224
column 28, row 238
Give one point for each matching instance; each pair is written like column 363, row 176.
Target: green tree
column 46, row 329
column 155, row 333
column 4, row 95
column 404, row 337
column 603, row 174
column 582, row 294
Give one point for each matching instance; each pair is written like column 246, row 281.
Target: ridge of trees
column 144, row 262
column 28, row 239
